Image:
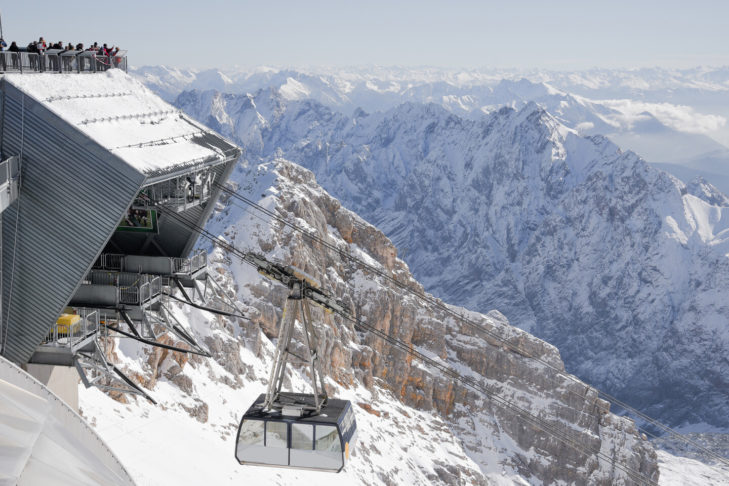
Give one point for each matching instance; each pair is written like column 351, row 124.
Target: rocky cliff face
column 489, row 431
column 619, row 265
column 416, row 425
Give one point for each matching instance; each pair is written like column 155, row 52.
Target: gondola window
column 302, row 437
column 277, row 434
column 327, row 439
column 251, row 433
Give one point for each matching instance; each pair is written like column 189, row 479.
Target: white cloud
column 679, row 117
column 584, row 126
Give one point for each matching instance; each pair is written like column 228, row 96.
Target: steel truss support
column 164, row 318
column 297, row 307
column 168, row 321
column 95, row 370
column 211, row 290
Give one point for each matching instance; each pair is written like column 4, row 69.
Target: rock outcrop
column 521, row 417
column 490, row 430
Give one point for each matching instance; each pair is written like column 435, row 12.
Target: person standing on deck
column 79, row 58
column 3, row 63
column 33, row 55
column 67, row 60
column 41, row 49
column 15, row 54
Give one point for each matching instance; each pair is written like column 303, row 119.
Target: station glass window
column 302, row 436
column 251, row 432
column 327, row 439
column 277, row 434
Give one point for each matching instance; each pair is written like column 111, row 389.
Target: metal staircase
column 130, row 296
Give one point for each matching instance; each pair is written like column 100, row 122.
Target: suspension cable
column 466, row 381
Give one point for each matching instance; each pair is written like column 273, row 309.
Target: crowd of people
column 104, row 56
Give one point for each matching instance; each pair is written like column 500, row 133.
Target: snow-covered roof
column 125, row 117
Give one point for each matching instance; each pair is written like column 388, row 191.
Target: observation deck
column 73, row 332
column 118, row 290
column 60, row 61
column 133, row 283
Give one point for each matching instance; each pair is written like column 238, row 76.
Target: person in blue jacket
column 3, row 63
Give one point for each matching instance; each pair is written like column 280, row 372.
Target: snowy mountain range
column 620, row 265
column 676, row 118
column 567, row 236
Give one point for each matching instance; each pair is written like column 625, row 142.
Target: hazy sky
column 519, row 34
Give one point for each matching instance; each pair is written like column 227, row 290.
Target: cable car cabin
column 320, row 442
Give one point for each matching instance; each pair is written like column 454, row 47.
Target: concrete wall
column 61, row 380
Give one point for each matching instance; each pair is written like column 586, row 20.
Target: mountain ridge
column 501, row 191
column 676, row 117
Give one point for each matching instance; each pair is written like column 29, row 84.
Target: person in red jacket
column 41, row 49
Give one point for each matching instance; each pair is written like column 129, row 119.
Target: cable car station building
column 104, row 191
column 102, row 185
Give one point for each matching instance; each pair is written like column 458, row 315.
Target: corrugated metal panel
column 72, row 197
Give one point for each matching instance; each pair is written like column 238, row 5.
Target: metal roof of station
column 88, row 145
column 123, row 116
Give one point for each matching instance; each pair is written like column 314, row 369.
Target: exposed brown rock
column 566, row 405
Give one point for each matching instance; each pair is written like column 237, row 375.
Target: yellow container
column 68, row 323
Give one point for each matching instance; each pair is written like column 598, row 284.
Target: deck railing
column 114, row 262
column 56, row 61
column 110, row 261
column 148, row 290
column 188, row 266
column 180, row 193
column 132, row 289
column 69, row 335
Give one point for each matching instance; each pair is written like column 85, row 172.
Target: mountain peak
column 705, row 191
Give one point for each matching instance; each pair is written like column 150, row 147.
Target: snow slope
column 680, row 471
column 121, row 115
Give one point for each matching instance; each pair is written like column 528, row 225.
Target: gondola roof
column 330, row 413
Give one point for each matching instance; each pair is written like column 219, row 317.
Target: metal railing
column 114, row 262
column 9, row 174
column 182, row 192
column 188, row 266
column 64, row 62
column 110, row 261
column 149, row 290
column 71, row 334
column 132, row 288
column 9, row 169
